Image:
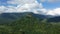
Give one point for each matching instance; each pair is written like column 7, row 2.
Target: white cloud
column 20, row 1
column 27, row 6
column 10, row 9
column 54, row 12
column 2, row 9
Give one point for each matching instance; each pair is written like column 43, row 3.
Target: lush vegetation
column 30, row 25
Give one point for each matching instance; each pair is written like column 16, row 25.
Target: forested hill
column 8, row 17
column 30, row 25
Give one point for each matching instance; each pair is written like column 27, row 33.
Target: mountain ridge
column 8, row 17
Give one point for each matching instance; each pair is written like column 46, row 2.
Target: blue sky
column 51, row 5
column 45, row 4
column 4, row 3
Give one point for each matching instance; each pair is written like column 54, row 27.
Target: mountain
column 54, row 19
column 32, row 25
column 8, row 17
column 29, row 24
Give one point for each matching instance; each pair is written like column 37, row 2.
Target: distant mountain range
column 54, row 19
column 9, row 17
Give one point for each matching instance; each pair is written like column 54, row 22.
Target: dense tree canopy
column 30, row 25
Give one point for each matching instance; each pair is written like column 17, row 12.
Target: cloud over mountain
column 29, row 6
column 23, row 6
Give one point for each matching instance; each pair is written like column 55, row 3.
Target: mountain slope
column 29, row 24
column 54, row 19
column 32, row 25
column 8, row 17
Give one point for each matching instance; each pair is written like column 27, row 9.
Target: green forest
column 30, row 25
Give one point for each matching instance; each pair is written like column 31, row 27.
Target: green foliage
column 30, row 25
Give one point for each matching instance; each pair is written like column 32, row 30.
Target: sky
column 46, row 7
